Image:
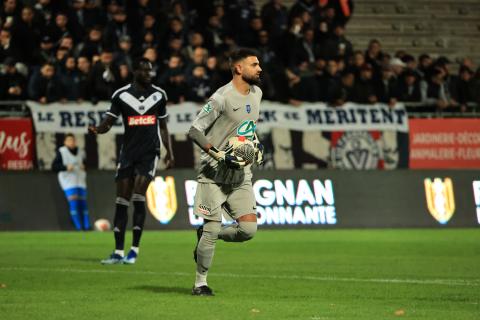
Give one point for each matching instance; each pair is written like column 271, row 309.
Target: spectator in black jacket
column 69, row 78
column 46, row 52
column 84, row 68
column 463, row 89
column 386, row 86
column 364, row 89
column 44, row 85
column 173, row 79
column 93, row 45
column 7, row 46
column 104, row 77
column 117, row 28
column 343, row 92
column 13, row 85
column 275, row 20
column 336, row 45
column 27, row 31
column 408, row 88
column 198, row 84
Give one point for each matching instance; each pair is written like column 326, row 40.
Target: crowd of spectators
column 77, row 50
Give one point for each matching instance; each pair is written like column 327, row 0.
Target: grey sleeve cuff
column 198, row 137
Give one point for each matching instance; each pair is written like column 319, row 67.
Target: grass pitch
column 306, row 274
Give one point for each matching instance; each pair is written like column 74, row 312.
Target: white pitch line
column 445, row 282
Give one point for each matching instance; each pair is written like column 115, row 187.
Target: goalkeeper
column 225, row 179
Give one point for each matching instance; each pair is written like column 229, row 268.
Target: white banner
column 75, row 118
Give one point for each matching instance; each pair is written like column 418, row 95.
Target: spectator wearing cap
column 93, row 45
column 408, row 88
column 46, row 52
column 117, row 28
column 398, row 67
column 124, row 53
column 44, row 85
column 364, row 88
column 275, row 20
column 386, row 86
column 12, row 83
column 104, row 77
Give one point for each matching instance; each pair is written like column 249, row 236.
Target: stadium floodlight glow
column 476, row 195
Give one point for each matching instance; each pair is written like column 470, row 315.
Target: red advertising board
column 444, row 143
column 16, row 144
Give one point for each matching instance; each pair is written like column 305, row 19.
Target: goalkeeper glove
column 258, row 150
column 227, row 157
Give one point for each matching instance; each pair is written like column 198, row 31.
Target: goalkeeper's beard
column 253, row 80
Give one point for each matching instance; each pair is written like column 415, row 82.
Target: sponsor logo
column 235, row 109
column 247, row 128
column 476, row 195
column 203, row 209
column 281, row 202
column 440, row 198
column 162, row 199
column 147, row 120
column 355, row 150
column 207, row 108
column 249, row 108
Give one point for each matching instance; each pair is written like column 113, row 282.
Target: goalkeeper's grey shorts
column 213, row 200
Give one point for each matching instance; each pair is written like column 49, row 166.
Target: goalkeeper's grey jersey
column 228, row 113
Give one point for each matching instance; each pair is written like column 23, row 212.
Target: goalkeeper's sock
column 200, row 279
column 206, row 249
column 243, row 231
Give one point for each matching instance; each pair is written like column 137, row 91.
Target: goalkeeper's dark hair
column 240, row 54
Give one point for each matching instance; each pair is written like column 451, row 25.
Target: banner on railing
column 74, row 117
column 16, row 144
column 444, row 143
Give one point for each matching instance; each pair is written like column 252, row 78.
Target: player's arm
column 207, row 116
column 104, row 126
column 110, row 117
column 169, row 160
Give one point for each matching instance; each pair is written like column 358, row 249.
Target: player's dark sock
column 139, row 214
column 83, row 210
column 74, row 214
column 120, row 222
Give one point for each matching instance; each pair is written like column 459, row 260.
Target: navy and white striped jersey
column 140, row 111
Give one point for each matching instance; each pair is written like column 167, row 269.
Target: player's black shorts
column 141, row 165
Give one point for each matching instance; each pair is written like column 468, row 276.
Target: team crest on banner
column 355, row 150
column 440, row 198
column 249, row 108
column 162, row 199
